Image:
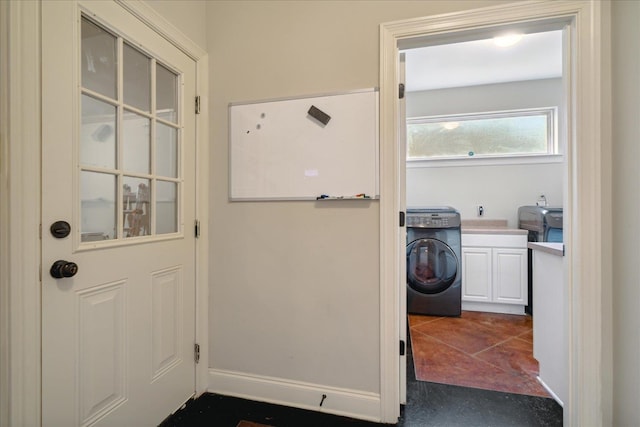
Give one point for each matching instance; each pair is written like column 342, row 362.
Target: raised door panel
column 510, row 275
column 101, row 350
column 166, row 323
column 476, row 274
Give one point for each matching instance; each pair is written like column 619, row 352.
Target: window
column 513, row 133
column 130, row 140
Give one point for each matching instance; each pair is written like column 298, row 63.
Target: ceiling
column 535, row 56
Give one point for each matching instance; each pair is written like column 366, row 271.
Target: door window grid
column 136, row 207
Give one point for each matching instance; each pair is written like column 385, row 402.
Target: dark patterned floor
column 428, row 404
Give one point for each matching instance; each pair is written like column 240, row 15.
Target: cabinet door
column 510, row 275
column 476, row 274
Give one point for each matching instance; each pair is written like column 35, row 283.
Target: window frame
column 155, row 117
column 552, row 155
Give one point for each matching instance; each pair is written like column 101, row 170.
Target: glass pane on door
column 166, row 208
column 136, row 78
column 98, row 206
column 136, row 206
column 431, row 266
column 136, row 143
column 130, row 148
column 166, row 94
column 98, row 133
column 99, row 59
column 166, row 151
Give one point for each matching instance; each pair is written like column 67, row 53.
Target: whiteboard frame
column 369, row 198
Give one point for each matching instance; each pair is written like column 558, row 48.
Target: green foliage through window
column 495, row 134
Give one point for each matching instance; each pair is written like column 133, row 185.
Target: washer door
column 432, row 266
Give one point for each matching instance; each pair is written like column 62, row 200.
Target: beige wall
column 295, row 285
column 626, row 211
column 189, row 16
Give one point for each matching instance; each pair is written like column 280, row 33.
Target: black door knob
column 61, row 269
column 60, row 229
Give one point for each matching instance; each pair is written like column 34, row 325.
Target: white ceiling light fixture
column 507, row 40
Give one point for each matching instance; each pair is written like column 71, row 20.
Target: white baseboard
column 492, row 307
column 546, row 387
column 338, row 401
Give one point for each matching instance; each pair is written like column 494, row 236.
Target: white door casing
column 118, row 337
column 19, row 213
column 586, row 229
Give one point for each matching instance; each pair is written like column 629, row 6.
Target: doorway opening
column 584, row 187
column 485, row 118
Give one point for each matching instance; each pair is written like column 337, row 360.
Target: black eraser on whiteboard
column 319, row 115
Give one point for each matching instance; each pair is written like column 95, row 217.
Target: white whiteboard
column 280, row 152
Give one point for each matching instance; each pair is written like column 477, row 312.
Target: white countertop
column 489, row 226
column 492, row 230
column 551, row 248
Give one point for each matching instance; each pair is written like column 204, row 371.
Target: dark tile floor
column 428, row 404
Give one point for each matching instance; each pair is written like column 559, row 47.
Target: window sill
column 486, row 161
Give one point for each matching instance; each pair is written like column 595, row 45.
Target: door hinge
column 401, row 219
column 196, row 352
column 401, row 90
column 402, row 348
column 198, row 104
column 197, row 228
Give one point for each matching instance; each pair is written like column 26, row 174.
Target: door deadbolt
column 61, row 269
column 60, row 229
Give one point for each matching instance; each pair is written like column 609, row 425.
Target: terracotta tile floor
column 480, row 350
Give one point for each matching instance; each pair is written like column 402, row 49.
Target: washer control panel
column 436, row 219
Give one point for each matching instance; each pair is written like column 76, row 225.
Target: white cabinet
column 476, row 274
column 510, row 275
column 494, row 272
column 550, row 322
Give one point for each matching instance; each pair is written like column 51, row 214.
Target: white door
column 402, row 159
column 118, row 166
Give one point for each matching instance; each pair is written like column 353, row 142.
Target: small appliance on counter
column 544, row 224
